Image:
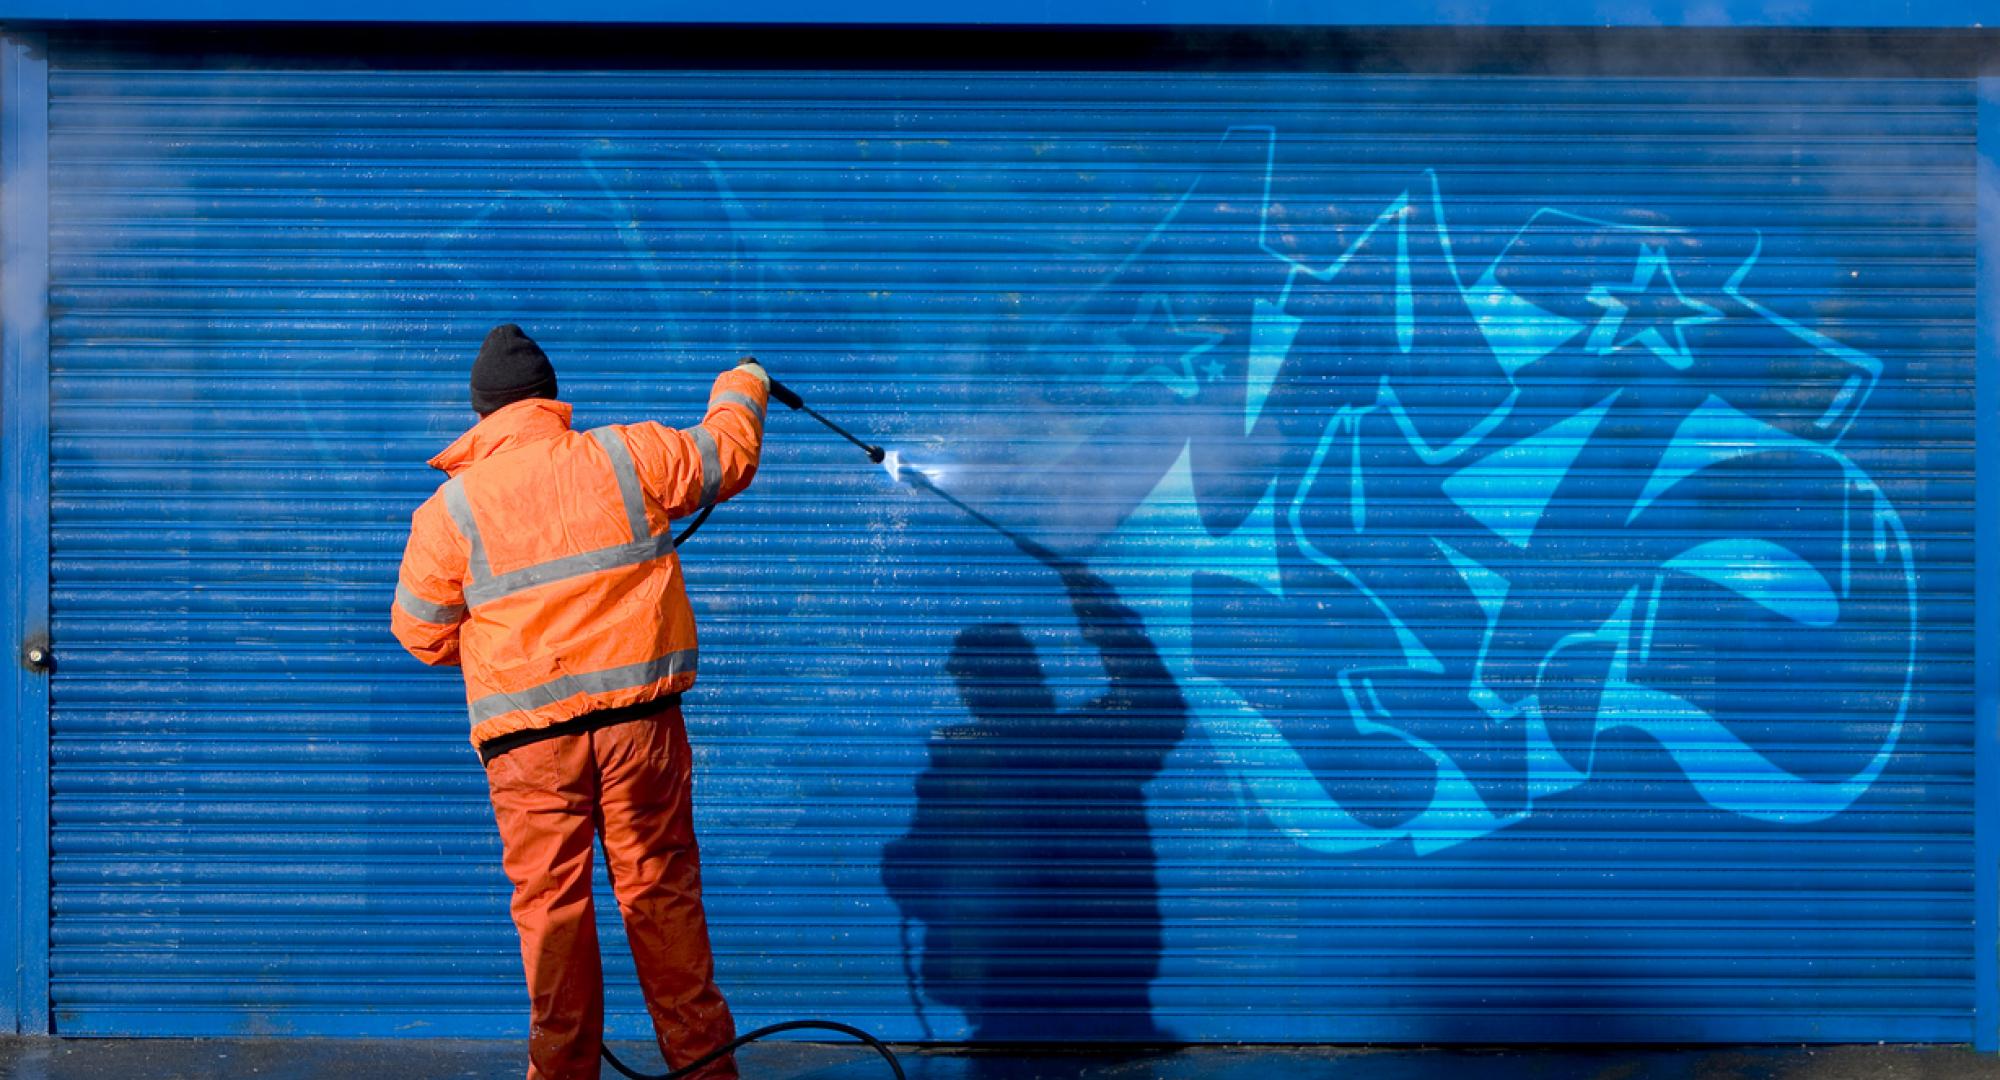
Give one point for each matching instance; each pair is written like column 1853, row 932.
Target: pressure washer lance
column 792, row 399
column 912, row 476
column 875, row 454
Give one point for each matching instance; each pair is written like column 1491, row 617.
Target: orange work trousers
column 631, row 783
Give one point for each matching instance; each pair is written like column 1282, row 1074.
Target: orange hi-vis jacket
column 545, row 567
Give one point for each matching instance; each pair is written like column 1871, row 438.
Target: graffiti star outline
column 1652, row 264
column 1146, row 320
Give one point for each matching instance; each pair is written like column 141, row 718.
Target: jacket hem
column 578, row 725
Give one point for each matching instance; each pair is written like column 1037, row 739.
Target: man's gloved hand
column 750, row 364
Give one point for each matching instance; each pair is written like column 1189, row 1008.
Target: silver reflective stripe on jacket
column 460, row 510
column 738, row 398
column 485, row 590
column 628, row 479
column 423, row 610
column 595, row 682
column 711, row 465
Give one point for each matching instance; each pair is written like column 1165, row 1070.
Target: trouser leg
column 647, row 812
column 544, row 797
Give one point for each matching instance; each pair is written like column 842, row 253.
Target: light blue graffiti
column 1846, row 405
column 1273, row 329
column 1766, row 573
column 1508, row 490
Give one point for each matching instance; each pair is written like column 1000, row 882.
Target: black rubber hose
column 790, row 398
column 729, row 1047
column 693, row 525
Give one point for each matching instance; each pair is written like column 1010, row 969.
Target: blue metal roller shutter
column 1548, row 500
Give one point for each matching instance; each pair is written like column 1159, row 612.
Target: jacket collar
column 527, row 421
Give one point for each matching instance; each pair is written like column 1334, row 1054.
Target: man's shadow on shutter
column 1029, row 859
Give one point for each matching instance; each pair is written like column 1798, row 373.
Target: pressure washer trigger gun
column 787, row 395
column 779, row 390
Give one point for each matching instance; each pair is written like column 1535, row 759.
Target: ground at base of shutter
column 423, row 1059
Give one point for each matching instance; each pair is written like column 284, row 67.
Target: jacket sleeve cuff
column 742, row 389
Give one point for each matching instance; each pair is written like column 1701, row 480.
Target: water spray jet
column 915, row 476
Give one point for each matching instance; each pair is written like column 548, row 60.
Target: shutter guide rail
column 24, row 494
column 1986, row 587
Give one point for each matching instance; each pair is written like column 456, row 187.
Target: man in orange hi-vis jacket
column 544, row 568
